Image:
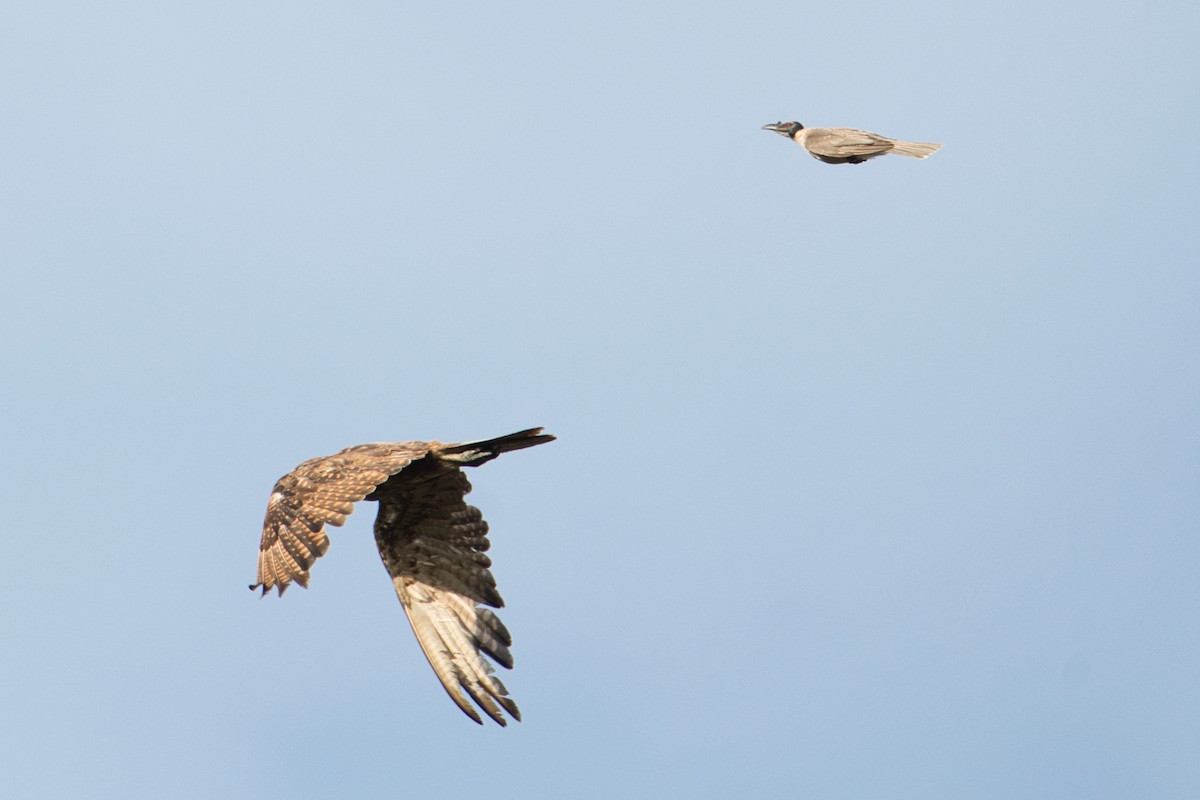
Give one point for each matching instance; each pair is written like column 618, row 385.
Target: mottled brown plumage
column 432, row 543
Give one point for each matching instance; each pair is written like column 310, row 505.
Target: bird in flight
column 432, row 543
column 846, row 145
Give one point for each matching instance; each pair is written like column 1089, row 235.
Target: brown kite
column 432, row 543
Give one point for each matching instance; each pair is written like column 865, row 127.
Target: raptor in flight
column 432, row 543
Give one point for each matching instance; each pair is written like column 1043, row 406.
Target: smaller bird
column 847, row 145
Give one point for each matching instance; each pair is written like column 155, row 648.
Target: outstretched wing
column 433, row 545
column 318, row 492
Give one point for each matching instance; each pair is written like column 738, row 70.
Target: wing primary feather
column 432, row 543
column 319, row 492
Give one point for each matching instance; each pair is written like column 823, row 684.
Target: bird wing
column 318, row 492
column 840, row 142
column 433, row 545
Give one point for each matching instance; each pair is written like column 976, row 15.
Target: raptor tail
column 472, row 454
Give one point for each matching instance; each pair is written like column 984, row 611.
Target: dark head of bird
column 787, row 129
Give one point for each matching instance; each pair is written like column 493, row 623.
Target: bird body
column 432, row 543
column 847, row 145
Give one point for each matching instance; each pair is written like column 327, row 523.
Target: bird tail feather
column 473, row 454
column 915, row 149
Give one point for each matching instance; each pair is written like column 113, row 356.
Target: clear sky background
column 873, row 481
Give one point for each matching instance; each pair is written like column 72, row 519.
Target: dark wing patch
column 433, row 545
column 321, row 491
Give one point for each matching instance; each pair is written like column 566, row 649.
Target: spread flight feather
column 432, row 543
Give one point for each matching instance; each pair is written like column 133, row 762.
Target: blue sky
column 871, row 481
